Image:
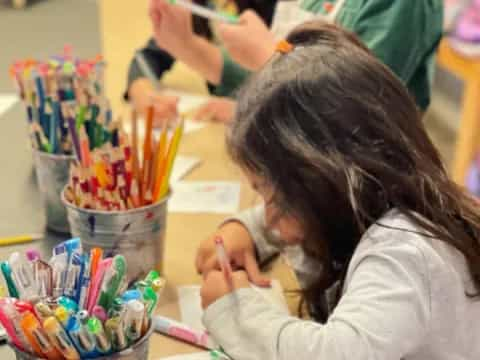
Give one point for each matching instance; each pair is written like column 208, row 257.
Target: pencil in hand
column 224, row 260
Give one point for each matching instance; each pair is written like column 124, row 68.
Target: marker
column 83, row 340
column 223, row 259
column 43, row 311
column 7, row 274
column 134, row 320
column 206, row 12
column 97, row 281
column 22, row 275
column 62, row 315
column 38, row 339
column 59, row 338
column 114, row 330
column 182, row 332
column 114, row 276
column 42, row 273
column 10, row 320
column 100, row 313
column 95, row 328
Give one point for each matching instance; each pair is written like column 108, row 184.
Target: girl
column 139, row 89
column 332, row 141
column 403, row 34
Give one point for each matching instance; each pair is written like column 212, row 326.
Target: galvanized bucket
column 52, row 176
column 138, row 234
column 138, row 351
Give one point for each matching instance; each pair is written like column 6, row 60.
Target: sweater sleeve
column 384, row 314
column 233, row 75
column 403, row 34
column 254, row 220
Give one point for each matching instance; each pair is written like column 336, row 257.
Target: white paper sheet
column 219, row 197
column 6, row 102
column 195, row 356
column 191, row 309
column 182, row 166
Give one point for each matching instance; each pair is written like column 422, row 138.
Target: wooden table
column 468, row 138
column 125, row 27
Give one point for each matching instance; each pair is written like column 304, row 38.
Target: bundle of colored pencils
column 60, row 93
column 115, row 178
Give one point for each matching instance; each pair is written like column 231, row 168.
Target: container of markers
column 77, row 305
column 138, row 233
column 138, row 351
column 52, row 172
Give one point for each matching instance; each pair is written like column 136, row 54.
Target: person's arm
column 403, row 34
column 383, row 314
column 158, row 60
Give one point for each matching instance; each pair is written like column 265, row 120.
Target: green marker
column 7, row 274
column 95, row 327
column 114, row 276
column 206, row 12
column 150, row 299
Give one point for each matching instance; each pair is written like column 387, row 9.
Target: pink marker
column 100, row 313
column 223, row 259
column 97, row 282
column 182, row 332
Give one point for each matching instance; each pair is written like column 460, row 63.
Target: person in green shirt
column 403, row 34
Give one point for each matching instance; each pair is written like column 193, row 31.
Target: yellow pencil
column 172, row 152
column 159, row 160
column 19, row 239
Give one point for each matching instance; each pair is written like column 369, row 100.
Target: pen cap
column 158, row 285
column 134, row 319
column 99, row 312
column 73, row 244
column 130, row 295
column 150, row 299
column 32, row 255
column 24, row 306
column 69, row 304
column 151, row 276
column 83, row 316
column 43, row 311
column 62, row 314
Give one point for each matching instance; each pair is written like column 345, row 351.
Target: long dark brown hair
column 338, row 137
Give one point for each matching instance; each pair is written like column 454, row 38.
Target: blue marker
column 83, row 340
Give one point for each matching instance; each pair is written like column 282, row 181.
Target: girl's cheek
column 290, row 231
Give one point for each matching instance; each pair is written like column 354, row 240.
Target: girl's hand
column 250, row 43
column 172, row 26
column 240, row 249
column 220, row 109
column 215, row 286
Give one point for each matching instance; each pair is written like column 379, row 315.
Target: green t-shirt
column 404, row 34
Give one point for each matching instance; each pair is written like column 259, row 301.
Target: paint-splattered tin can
column 138, row 234
column 52, row 175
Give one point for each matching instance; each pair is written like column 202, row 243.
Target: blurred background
column 115, row 28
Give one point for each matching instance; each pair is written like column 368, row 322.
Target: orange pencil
column 147, row 149
column 135, row 165
column 85, row 148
